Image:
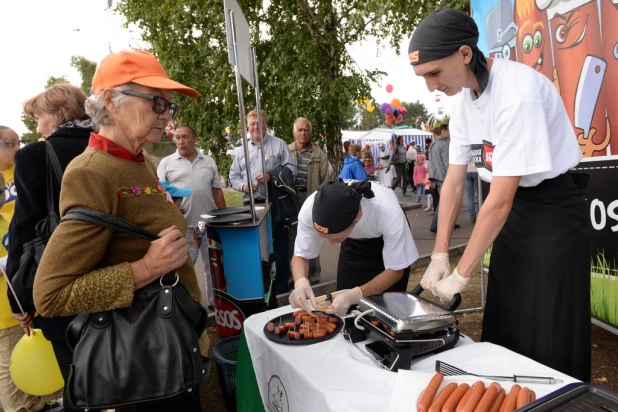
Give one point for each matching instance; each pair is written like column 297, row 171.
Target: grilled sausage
column 523, row 397
column 317, row 335
column 375, row 323
column 333, row 320
column 289, row 325
column 488, row 398
column 498, row 401
column 463, row 400
column 440, row 400
column 511, row 400
column 430, row 392
column 308, row 335
column 453, row 400
column 476, row 393
column 299, row 313
column 270, row 327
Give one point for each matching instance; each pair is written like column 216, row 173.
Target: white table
column 334, row 376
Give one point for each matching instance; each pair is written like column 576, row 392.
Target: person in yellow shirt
column 9, row 144
column 11, row 398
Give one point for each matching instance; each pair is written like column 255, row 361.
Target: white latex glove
column 302, row 291
column 344, row 300
column 438, row 269
column 451, row 285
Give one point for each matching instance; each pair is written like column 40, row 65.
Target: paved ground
column 419, row 224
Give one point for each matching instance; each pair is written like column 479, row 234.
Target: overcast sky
column 40, row 36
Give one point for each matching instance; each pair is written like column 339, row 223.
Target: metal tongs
column 449, row 370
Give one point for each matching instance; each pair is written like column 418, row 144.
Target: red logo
column 488, row 155
column 228, row 316
column 414, row 56
column 320, row 228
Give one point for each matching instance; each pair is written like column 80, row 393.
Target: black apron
column 538, row 295
column 360, row 260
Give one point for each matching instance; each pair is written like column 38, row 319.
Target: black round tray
column 283, row 337
column 229, row 211
column 237, row 218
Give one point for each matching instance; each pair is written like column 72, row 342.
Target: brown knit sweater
column 86, row 268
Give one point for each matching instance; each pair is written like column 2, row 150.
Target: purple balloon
column 384, row 107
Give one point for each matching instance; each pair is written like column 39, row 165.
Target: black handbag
column 147, row 352
column 23, row 280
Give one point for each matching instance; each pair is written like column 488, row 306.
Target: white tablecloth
column 334, row 376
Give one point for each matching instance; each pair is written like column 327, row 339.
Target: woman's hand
column 163, row 256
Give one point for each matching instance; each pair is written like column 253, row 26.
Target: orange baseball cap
column 135, row 66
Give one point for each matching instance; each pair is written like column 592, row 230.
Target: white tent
column 378, row 136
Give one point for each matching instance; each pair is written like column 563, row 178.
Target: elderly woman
column 87, row 268
column 62, row 120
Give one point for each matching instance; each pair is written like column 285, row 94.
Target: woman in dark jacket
column 62, row 120
column 398, row 158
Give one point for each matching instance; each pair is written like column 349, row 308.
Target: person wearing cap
column 189, row 167
column 377, row 247
column 87, row 268
column 538, row 299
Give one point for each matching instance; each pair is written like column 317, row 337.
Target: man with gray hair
column 276, row 153
column 312, row 166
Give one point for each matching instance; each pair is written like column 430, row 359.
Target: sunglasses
column 159, row 104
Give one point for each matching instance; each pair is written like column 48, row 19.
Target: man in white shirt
column 377, row 247
column 385, row 156
column 510, row 120
column 190, row 168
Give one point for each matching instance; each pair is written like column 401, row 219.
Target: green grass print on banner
column 603, row 289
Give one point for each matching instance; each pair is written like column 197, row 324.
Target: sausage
column 317, row 335
column 391, row 333
column 278, row 330
column 488, row 398
column 532, row 396
column 289, row 325
column 453, row 400
column 291, row 335
column 463, row 400
column 430, row 392
column 523, row 397
column 437, row 404
column 511, row 400
column 498, row 401
column 299, row 313
column 270, row 327
column 308, row 335
column 375, row 323
column 333, row 320
column 476, row 393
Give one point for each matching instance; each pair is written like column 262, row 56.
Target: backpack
column 23, row 280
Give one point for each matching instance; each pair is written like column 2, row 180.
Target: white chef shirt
column 382, row 216
column 517, row 127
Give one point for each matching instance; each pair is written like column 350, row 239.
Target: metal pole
column 241, row 109
column 259, row 110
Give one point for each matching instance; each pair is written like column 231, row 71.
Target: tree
column 86, row 69
column 417, row 114
column 304, row 67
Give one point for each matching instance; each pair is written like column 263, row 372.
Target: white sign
column 243, row 40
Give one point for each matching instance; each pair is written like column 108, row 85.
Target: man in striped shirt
column 312, row 166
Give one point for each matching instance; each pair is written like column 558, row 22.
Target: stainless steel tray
column 401, row 311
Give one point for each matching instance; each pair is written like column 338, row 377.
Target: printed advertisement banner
column 575, row 44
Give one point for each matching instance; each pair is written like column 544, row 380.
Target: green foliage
column 417, row 114
column 55, row 80
column 31, row 135
column 86, row 68
column 304, row 66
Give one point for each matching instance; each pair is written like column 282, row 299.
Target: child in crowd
column 421, row 176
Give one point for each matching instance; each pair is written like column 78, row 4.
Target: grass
column 604, row 289
column 232, row 198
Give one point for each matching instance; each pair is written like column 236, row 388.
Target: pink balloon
column 389, row 88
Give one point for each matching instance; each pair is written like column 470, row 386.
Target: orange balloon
column 396, row 103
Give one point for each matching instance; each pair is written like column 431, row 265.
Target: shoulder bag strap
column 53, row 159
column 49, row 178
column 99, row 218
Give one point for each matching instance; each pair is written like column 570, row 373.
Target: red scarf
column 103, row 143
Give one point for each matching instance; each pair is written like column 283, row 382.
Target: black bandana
column 336, row 205
column 441, row 34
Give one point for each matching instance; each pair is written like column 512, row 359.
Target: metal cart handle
column 452, row 305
